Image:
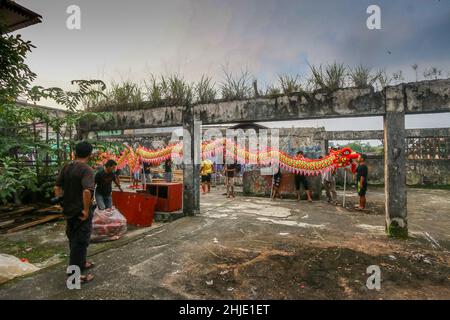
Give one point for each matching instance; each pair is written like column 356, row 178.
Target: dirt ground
column 254, row 248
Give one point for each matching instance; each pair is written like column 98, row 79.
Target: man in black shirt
column 276, row 181
column 168, row 170
column 75, row 183
column 361, row 181
column 300, row 178
column 147, row 172
column 230, row 170
column 103, row 179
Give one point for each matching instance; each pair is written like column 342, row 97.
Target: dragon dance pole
column 144, row 180
column 345, row 185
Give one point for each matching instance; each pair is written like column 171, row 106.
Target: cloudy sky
column 129, row 40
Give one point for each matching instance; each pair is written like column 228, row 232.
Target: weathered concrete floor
column 257, row 249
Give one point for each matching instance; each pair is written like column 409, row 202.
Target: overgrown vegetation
column 29, row 160
column 398, row 77
column 236, row 86
column 205, row 90
column 174, row 90
column 362, row 77
column 178, row 92
column 329, row 77
column 290, row 84
column 272, row 91
column 432, row 73
column 384, row 79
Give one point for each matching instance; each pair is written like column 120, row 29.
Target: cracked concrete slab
column 318, row 252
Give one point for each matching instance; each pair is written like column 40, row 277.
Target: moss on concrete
column 395, row 231
column 34, row 253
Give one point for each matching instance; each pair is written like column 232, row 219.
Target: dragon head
column 344, row 156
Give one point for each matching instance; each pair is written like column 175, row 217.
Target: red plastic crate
column 170, row 195
column 138, row 208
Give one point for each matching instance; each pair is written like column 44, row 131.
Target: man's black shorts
column 276, row 181
column 206, row 178
column 300, row 179
column 362, row 191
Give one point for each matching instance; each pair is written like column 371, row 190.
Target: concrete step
column 167, row 216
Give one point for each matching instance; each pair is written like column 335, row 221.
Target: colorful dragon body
column 134, row 158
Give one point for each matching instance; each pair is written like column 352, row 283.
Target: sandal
column 89, row 265
column 86, row 278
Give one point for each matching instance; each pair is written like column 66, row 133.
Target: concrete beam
column 341, row 103
column 427, row 133
column 349, row 102
column 156, row 117
column 395, row 163
column 354, row 135
column 379, row 134
column 318, row 136
column 420, row 97
column 427, row 96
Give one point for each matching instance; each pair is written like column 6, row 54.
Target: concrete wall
column 418, row 172
column 255, row 184
column 152, row 141
column 428, row 172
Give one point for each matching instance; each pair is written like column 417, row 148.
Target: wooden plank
column 6, row 208
column 35, row 223
column 6, row 224
column 20, row 211
column 16, row 214
column 52, row 209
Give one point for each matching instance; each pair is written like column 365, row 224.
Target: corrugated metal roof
column 16, row 17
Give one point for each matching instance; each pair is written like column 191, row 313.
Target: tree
column 15, row 75
column 20, row 143
column 415, row 68
column 398, row 76
column 432, row 73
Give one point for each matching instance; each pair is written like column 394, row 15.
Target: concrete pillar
column 395, row 163
column 197, row 138
column 191, row 190
column 188, row 162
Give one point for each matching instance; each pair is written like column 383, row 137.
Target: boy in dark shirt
column 276, row 181
column 103, row 180
column 361, row 182
column 300, row 178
